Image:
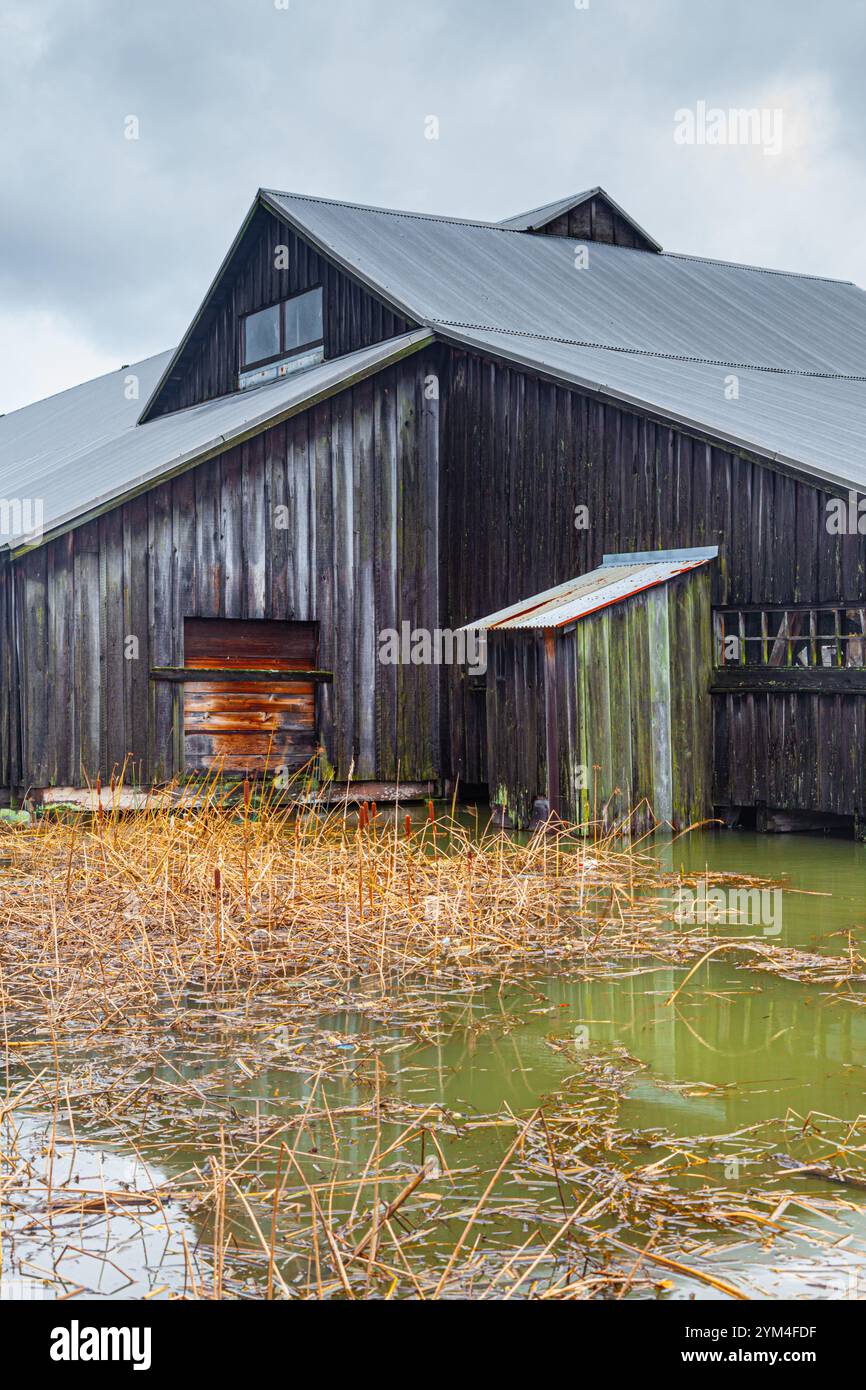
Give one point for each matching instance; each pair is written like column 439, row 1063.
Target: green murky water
column 736, row 1050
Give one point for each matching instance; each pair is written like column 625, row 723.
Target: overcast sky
column 108, row 244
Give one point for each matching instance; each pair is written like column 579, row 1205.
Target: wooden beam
column 190, row 796
column 187, row 674
column 110, row 799
column 830, row 607
column 659, row 638
column 551, row 719
column 816, row 680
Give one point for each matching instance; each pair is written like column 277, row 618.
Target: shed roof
column 619, row 577
column 74, row 483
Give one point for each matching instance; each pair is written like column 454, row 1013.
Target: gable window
column 262, row 336
column 274, row 336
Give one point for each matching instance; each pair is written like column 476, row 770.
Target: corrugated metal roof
column 813, row 424
column 618, row 578
column 548, row 212
column 540, row 217
column 73, row 483
column 658, row 331
column 442, row 271
column 78, row 419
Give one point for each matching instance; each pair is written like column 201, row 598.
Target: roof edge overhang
column 407, row 345
column 836, row 483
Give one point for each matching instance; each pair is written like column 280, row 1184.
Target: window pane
column 303, row 318
column 262, row 335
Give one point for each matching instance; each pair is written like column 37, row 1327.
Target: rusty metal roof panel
column 620, row 577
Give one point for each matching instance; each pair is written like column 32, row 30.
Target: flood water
column 736, row 1051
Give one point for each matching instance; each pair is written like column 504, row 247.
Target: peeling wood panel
column 113, row 725
column 163, row 707
column 383, row 518
column 343, row 492
column 248, row 726
column 326, row 560
column 9, row 723
column 691, row 666
column 61, row 723
column 516, row 749
column 34, row 612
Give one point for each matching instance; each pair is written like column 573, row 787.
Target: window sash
column 261, row 330
column 302, row 321
column 294, row 318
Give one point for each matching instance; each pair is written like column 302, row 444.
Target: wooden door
column 249, row 726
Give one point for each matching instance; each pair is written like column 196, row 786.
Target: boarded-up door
column 249, row 726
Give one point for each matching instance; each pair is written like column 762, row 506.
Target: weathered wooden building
column 379, row 419
column 598, row 693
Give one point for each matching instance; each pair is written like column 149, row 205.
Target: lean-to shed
column 598, row 694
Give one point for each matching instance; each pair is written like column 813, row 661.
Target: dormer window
column 282, row 338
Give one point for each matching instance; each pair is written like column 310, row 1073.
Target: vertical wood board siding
column 354, row 548
column 209, row 364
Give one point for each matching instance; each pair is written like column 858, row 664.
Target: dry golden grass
column 167, row 923
column 122, row 914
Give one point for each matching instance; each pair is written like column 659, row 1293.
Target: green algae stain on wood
column 634, row 705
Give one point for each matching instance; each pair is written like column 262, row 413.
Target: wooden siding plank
column 160, row 619
column 87, row 652
column 389, row 724
column 343, row 489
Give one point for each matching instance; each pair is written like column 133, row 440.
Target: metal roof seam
column 808, row 436
column 646, row 352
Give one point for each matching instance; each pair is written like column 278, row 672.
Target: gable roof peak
column 577, row 215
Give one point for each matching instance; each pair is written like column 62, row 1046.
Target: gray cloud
column 117, row 240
